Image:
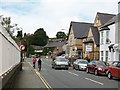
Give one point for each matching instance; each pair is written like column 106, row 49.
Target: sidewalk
column 27, row 78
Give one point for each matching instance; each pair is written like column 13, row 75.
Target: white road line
column 73, row 73
column 94, row 81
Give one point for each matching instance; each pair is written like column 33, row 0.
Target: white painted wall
column 0, row 53
column 9, row 51
column 104, row 46
column 112, row 33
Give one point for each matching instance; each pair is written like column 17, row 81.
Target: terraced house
column 84, row 38
column 77, row 32
column 92, row 42
column 110, row 31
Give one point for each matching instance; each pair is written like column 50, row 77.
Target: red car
column 114, row 70
column 97, row 67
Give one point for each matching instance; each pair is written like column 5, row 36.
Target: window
column 107, row 36
column 114, row 63
column 101, row 37
column 106, row 55
column 101, row 55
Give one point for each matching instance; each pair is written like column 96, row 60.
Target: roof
column 105, row 17
column 111, row 21
column 102, row 28
column 37, row 47
column 80, row 29
column 55, row 44
column 96, row 35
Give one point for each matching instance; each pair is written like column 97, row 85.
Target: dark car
column 97, row 67
column 114, row 70
column 80, row 64
column 60, row 62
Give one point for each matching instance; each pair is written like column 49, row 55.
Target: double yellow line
column 41, row 77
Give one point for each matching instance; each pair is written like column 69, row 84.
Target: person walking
column 39, row 63
column 34, row 61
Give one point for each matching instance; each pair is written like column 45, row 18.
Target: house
column 91, row 44
column 109, row 50
column 77, row 32
column 57, row 47
column 110, row 39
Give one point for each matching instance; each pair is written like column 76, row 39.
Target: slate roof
column 105, row 17
column 37, row 47
column 55, row 44
column 96, row 35
column 80, row 29
column 111, row 21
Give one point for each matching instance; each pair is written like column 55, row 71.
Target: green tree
column 60, row 35
column 6, row 23
column 40, row 38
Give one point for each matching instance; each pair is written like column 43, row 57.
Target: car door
column 91, row 66
column 117, row 70
column 113, row 69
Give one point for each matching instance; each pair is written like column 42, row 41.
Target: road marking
column 41, row 77
column 94, row 81
column 73, row 73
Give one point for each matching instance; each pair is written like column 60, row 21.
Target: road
column 73, row 78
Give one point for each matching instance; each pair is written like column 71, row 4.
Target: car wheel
column 87, row 70
column 79, row 68
column 66, row 68
column 109, row 75
column 96, row 72
column 73, row 67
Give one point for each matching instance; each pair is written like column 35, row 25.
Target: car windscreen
column 101, row 64
column 61, row 59
column 83, row 62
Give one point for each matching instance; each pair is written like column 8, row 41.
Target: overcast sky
column 54, row 15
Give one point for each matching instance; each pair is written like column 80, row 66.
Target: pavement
column 29, row 78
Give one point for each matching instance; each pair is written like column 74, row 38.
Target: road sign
column 22, row 47
column 88, row 48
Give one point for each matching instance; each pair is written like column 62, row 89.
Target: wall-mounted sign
column 88, row 48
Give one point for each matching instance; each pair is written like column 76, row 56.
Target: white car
column 80, row 64
column 60, row 62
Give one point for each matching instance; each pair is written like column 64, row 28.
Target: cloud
column 54, row 15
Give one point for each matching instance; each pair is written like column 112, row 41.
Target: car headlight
column 99, row 68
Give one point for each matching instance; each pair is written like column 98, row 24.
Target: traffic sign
column 22, row 47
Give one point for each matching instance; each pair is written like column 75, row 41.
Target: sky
column 54, row 15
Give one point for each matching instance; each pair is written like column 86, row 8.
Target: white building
column 109, row 40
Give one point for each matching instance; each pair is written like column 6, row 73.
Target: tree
column 6, row 23
column 19, row 34
column 60, row 35
column 40, row 38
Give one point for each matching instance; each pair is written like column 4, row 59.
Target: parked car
column 60, row 62
column 97, row 67
column 114, row 70
column 80, row 64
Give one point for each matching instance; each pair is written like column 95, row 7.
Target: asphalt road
column 73, row 78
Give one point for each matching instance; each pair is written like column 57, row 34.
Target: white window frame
column 107, row 36
column 106, row 56
column 102, row 34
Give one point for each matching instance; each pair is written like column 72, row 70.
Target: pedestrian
column 39, row 63
column 34, row 61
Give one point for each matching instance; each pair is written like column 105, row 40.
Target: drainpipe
column 119, row 28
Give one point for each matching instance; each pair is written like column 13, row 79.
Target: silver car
column 80, row 64
column 60, row 62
